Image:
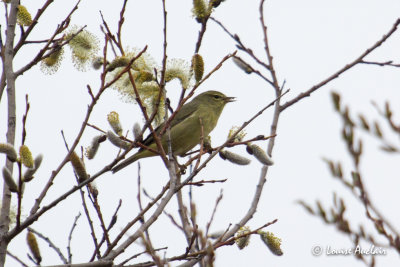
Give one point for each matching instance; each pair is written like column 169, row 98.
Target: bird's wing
column 182, row 114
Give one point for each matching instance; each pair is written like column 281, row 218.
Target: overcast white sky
column 309, row 39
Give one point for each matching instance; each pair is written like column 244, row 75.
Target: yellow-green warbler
column 186, row 127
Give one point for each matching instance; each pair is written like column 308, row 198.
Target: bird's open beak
column 229, row 99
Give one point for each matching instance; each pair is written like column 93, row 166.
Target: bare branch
column 344, row 69
column 51, row 244
column 70, row 237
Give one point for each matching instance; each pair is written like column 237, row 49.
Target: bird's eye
column 217, row 96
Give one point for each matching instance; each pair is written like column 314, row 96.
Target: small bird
column 186, row 127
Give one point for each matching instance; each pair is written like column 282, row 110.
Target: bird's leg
column 182, row 168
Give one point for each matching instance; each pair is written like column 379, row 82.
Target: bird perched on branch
column 194, row 120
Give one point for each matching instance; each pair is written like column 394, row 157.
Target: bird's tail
column 125, row 163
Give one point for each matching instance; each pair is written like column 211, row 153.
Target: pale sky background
column 309, row 40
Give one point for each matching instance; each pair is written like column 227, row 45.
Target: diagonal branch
column 348, row 66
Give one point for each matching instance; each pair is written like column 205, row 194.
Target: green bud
column 117, row 141
column 9, row 151
column 97, row 63
column 233, row 157
column 8, row 179
column 28, row 175
column 93, row 189
column 242, row 65
column 91, row 150
column 216, row 235
column 137, row 130
column 259, row 154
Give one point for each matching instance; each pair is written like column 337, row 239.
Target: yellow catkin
column 198, row 67
column 143, row 76
column 200, row 10
column 33, row 246
column 52, row 63
column 239, row 136
column 272, row 242
column 113, row 120
column 84, row 46
column 78, row 166
column 54, row 58
column 28, row 175
column 178, row 69
column 118, row 62
column 23, row 16
column 26, row 156
column 243, row 241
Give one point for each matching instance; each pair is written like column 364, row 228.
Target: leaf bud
column 8, row 179
column 259, row 154
column 233, row 157
column 117, row 141
column 91, row 150
column 28, row 175
column 242, row 65
column 9, row 151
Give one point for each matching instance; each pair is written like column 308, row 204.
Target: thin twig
column 381, row 64
column 343, row 69
column 137, row 255
column 113, row 221
column 51, row 244
column 169, row 215
column 17, row 259
column 70, row 237
column 217, row 201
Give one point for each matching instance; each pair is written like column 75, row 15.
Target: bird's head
column 215, row 98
